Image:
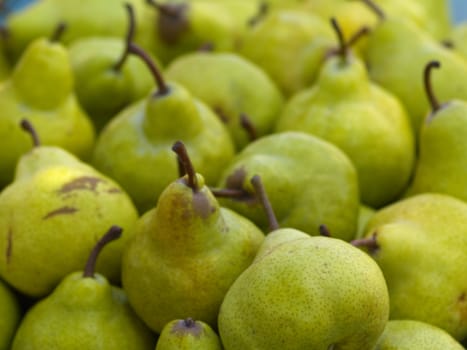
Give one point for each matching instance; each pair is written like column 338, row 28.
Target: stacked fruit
column 233, row 174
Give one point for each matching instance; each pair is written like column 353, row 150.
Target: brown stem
column 429, row 86
column 356, row 37
column 183, row 158
column 370, row 243
column 263, row 9
column 112, row 234
column 324, row 231
column 171, row 10
column 376, row 9
column 162, row 87
column 248, row 126
column 206, row 47
column 27, row 126
column 343, row 49
column 129, row 37
column 229, row 193
column 58, row 32
column 189, row 322
column 263, row 197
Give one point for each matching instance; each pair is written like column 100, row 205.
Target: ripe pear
column 84, row 312
column 142, row 135
column 458, row 38
column 420, row 244
column 186, row 253
column 49, row 215
column 11, row 315
column 188, row 334
column 410, row 334
column 442, row 162
column 310, row 181
column 231, row 86
column 40, row 89
column 306, row 293
column 365, row 121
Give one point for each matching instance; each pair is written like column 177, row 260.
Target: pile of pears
column 233, row 175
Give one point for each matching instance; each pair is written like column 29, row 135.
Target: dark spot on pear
column 83, row 183
column 60, row 211
column 461, row 297
column 221, row 114
column 114, row 190
column 9, row 246
column 187, row 326
column 173, row 22
column 201, row 205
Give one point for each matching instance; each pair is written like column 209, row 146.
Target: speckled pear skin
column 425, row 282
column 188, row 335
column 53, row 214
column 231, row 85
column 11, row 315
column 365, row 121
column 185, row 255
column 83, row 313
column 40, row 89
column 410, row 335
column 309, row 182
column 309, row 293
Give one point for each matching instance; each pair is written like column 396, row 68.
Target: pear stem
column 183, row 159
column 27, row 126
column 263, row 9
column 371, row 243
column 129, row 37
column 189, row 322
column 359, row 34
column 171, row 11
column 229, row 193
column 58, row 32
column 263, row 197
column 112, row 234
column 376, row 9
column 324, row 231
column 435, row 105
column 342, row 51
column 248, row 126
column 163, row 89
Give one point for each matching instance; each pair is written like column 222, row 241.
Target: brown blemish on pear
column 114, row 190
column 187, row 326
column 9, row 246
column 83, row 183
column 60, row 211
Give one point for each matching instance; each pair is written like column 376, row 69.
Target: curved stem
column 27, row 126
column 324, row 231
column 342, row 51
column 263, row 197
column 161, row 85
column 112, row 234
column 376, row 9
column 58, row 32
column 129, row 37
column 248, row 126
column 429, row 86
column 263, row 9
column 183, row 159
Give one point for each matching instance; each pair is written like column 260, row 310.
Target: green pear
column 11, row 315
column 49, row 215
column 232, row 86
column 401, row 71
column 410, row 334
column 188, row 334
column 84, row 312
column 277, row 42
column 107, row 78
column 142, row 134
column 191, row 248
column 420, row 244
column 364, row 215
column 442, row 162
column 310, row 181
column 365, row 121
column 306, row 293
column 40, row 89
column 458, row 38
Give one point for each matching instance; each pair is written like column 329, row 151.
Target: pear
column 420, row 244
column 458, row 38
column 49, row 215
column 365, row 121
column 400, row 71
column 84, row 311
column 188, row 334
column 142, row 134
column 310, row 181
column 107, row 77
column 232, row 86
column 410, row 334
column 11, row 315
column 442, row 163
column 364, row 215
column 40, row 89
column 186, row 253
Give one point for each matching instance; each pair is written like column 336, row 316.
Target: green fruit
column 11, row 316
column 84, row 312
column 458, row 38
column 188, row 334
column 191, row 248
column 48, row 218
column 409, row 335
column 231, row 86
column 306, row 293
column 310, row 182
